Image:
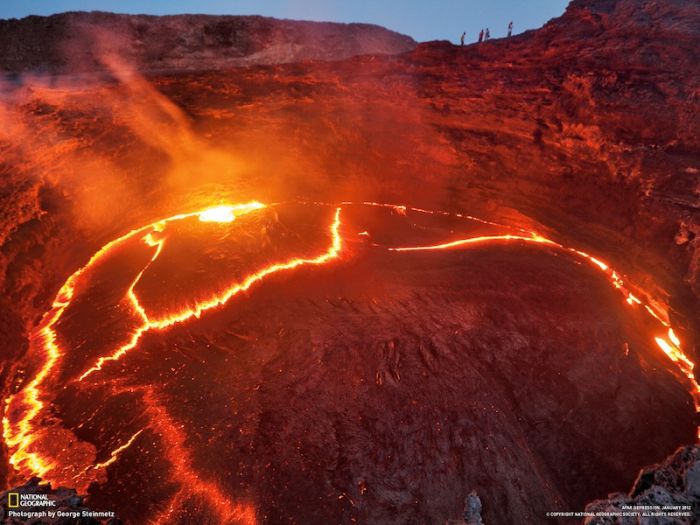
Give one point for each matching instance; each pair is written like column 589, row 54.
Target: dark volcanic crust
column 386, row 388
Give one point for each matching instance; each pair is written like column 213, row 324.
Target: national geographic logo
column 13, row 500
column 16, row 500
column 30, row 506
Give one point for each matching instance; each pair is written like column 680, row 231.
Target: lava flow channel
column 24, row 413
column 191, row 484
column 25, row 409
column 668, row 342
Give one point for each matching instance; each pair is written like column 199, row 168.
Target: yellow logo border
column 13, row 500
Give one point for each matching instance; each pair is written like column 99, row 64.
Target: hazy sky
column 422, row 19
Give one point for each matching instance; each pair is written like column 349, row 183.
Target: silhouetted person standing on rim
column 481, row 36
column 510, row 28
column 487, row 35
column 461, row 39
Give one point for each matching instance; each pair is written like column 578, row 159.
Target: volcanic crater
column 352, row 290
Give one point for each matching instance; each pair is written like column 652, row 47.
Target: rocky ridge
column 674, row 482
column 73, row 42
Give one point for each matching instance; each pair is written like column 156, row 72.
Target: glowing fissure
column 190, row 481
column 114, row 455
column 669, row 343
column 401, row 209
column 22, row 419
column 216, row 300
column 19, row 436
column 472, row 240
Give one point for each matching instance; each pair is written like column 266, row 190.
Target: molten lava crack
column 27, row 411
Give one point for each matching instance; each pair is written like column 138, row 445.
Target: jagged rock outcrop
column 675, row 484
column 472, row 511
column 73, row 42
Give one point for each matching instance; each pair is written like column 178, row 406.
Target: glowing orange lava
column 218, row 214
column 114, row 455
column 472, row 240
column 216, row 300
column 25, row 411
column 191, row 482
column 669, row 344
column 27, row 405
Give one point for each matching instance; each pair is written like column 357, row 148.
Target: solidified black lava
column 385, row 386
